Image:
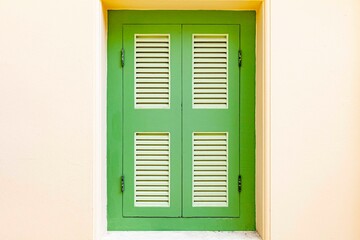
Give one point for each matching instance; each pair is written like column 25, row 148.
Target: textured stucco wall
column 46, row 119
column 315, row 119
column 48, row 52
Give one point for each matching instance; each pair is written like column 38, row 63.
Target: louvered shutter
column 210, row 169
column 152, row 165
column 152, row 71
column 211, row 120
column 152, row 116
column 210, row 70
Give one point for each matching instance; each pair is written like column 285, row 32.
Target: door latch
column 122, row 57
column 239, row 183
column 122, row 184
column 240, row 58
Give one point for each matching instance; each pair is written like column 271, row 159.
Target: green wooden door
column 210, row 120
column 152, row 120
column 181, row 121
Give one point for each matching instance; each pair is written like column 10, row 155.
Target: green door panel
column 153, row 120
column 181, row 128
column 211, row 120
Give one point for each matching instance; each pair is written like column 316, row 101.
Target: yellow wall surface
column 49, row 53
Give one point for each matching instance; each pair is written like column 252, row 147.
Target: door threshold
column 181, row 235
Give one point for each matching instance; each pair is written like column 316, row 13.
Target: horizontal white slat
column 210, row 153
column 152, row 164
column 149, row 172
column 209, row 96
column 209, row 199
column 210, row 136
column 150, row 105
column 209, row 194
column 150, row 71
column 210, row 44
column 198, row 39
column 151, row 147
column 209, row 50
column 151, row 50
column 209, row 85
column 148, row 183
column 152, row 39
column 141, row 64
column 200, row 173
column 209, row 55
column 209, row 162
column 143, row 152
column 153, row 54
column 151, row 101
column 150, row 178
column 210, row 204
column 151, row 198
column 199, row 142
column 142, row 193
column 209, row 178
column 146, row 81
column 152, row 59
column 209, row 75
column 210, row 184
column 151, row 158
column 210, row 71
column 150, row 95
column 152, row 85
column 210, row 91
column 152, row 44
column 210, row 101
column 209, row 168
column 210, row 60
column 205, row 158
column 211, row 65
column 210, row 188
column 152, row 75
column 150, row 91
column 213, row 147
column 160, row 188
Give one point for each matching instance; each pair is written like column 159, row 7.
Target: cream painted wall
column 47, row 62
column 52, row 53
column 315, row 119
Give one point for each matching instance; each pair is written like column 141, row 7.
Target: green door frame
column 116, row 20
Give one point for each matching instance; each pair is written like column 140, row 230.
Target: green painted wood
column 115, row 147
column 152, row 120
column 178, row 224
column 211, row 120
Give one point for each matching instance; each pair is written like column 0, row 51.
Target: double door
column 181, row 120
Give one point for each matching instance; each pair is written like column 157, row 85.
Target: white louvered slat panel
column 152, row 71
column 152, row 169
column 210, row 71
column 210, row 169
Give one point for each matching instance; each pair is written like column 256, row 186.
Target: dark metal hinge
column 122, row 57
column 122, row 184
column 240, row 58
column 239, row 183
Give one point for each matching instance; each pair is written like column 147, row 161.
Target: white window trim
column 180, row 235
